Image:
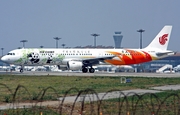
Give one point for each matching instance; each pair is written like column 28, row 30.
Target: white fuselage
column 62, row 56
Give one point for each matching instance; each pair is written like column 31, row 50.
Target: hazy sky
column 39, row 21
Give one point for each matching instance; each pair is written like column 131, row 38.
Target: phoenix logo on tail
column 163, row 39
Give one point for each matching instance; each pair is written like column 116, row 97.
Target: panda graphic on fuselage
column 33, row 57
column 49, row 60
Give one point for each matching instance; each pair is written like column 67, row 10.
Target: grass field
column 61, row 84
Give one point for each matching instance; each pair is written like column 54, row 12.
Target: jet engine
column 74, row 65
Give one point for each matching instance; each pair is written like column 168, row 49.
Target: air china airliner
column 85, row 59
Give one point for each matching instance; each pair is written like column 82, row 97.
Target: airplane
column 85, row 59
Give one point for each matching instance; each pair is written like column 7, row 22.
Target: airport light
column 63, row 45
column 56, row 38
column 140, row 31
column 23, row 41
column 2, row 50
column 95, row 35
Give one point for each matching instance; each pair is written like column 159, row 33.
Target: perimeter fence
column 86, row 102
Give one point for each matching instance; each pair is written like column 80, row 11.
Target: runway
column 126, row 74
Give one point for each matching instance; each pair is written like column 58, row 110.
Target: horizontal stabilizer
column 165, row 53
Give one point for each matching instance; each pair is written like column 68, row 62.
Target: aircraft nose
column 4, row 59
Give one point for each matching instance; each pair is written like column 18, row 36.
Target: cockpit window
column 11, row 54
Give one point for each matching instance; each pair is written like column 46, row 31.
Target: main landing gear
column 21, row 69
column 85, row 70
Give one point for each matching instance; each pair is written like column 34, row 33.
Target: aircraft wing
column 95, row 61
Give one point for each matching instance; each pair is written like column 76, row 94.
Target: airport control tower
column 117, row 39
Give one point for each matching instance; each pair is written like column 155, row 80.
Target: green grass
column 29, row 111
column 61, row 84
column 30, row 87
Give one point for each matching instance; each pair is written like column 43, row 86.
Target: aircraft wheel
column 84, row 70
column 91, row 70
column 21, row 70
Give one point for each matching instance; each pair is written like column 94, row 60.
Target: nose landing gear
column 21, row 69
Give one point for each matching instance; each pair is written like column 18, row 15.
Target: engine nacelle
column 75, row 65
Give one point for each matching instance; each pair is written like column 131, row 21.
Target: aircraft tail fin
column 162, row 39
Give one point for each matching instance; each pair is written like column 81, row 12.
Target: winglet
column 162, row 39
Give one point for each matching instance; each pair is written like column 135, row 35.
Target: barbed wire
column 86, row 102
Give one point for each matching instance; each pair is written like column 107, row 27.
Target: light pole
column 2, row 50
column 95, row 35
column 63, row 45
column 56, row 38
column 23, row 41
column 140, row 31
